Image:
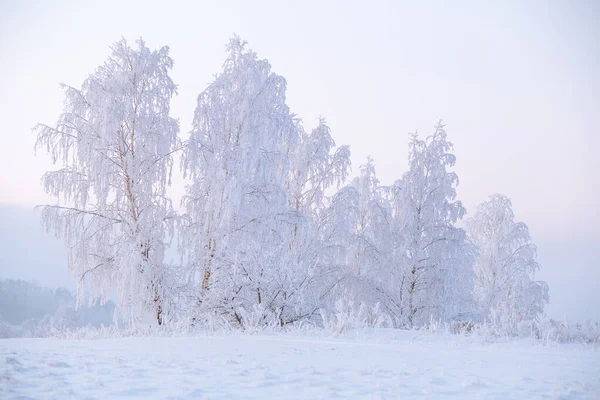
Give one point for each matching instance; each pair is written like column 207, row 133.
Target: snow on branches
column 113, row 145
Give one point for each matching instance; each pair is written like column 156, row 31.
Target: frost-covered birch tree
column 504, row 287
column 371, row 273
column 371, row 243
column 318, row 167
column 239, row 225
column 436, row 257
column 113, row 144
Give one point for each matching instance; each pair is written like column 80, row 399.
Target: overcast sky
column 517, row 83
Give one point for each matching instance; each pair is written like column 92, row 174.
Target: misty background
column 517, row 84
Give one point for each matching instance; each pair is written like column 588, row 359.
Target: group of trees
column 272, row 230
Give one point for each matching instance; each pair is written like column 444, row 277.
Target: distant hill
column 28, row 309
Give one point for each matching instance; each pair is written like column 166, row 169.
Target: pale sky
column 517, row 83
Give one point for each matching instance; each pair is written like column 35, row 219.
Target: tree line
column 273, row 229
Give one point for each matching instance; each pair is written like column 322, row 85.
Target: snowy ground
column 366, row 364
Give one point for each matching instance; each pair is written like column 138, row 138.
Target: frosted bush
column 349, row 315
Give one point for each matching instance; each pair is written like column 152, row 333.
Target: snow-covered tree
column 113, row 143
column 505, row 266
column 371, row 272
column 238, row 227
column 318, row 167
column 435, row 256
column 372, row 227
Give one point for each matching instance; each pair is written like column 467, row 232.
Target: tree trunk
column 159, row 310
column 411, row 291
column 212, row 245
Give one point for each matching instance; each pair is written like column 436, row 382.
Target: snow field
column 375, row 364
